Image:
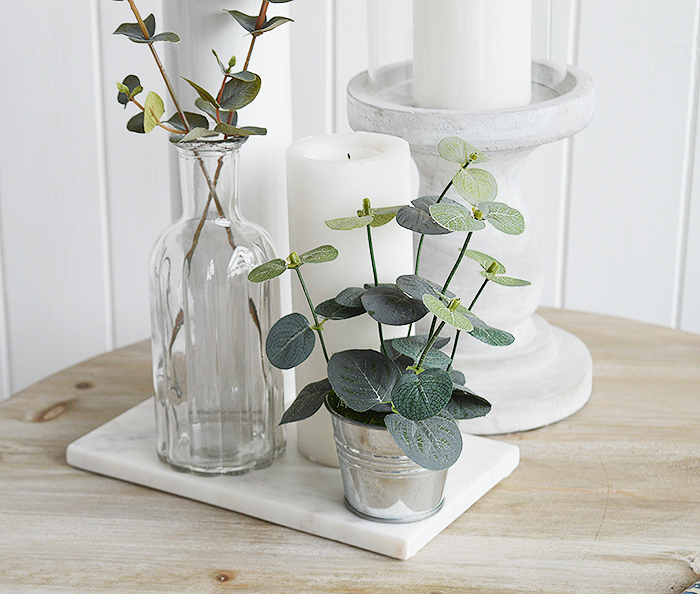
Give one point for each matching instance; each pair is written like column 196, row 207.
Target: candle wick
column 348, row 156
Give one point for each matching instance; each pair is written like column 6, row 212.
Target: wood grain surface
column 605, row 501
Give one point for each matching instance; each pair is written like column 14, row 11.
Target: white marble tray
column 293, row 492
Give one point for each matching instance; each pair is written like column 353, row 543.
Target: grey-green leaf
column 383, row 215
column 417, row 286
column 196, row 133
column 434, row 444
column 307, row 402
column 194, row 120
column 349, row 223
column 244, row 131
column 423, row 395
column 503, row 217
column 211, row 111
column 245, row 20
column 485, row 261
column 350, row 297
column 129, row 87
column 290, row 341
column 153, row 110
column 464, row 404
column 487, row 334
column 332, row 310
column 475, row 185
column 453, row 318
column 413, row 348
column 202, row 92
column 416, row 220
column 267, row 271
column 362, row 378
column 238, row 93
column 456, row 150
column 135, row 124
column 324, row 253
column 455, row 217
column 168, row 36
column 389, row 305
column 272, row 23
column 505, row 281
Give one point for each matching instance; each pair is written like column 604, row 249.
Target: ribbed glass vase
column 218, row 401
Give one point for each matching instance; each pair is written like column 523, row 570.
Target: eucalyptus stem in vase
column 218, row 401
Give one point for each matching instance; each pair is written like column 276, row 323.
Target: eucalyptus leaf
column 196, row 133
column 413, row 348
column 488, row 335
column 135, row 124
column 272, row 23
column 485, row 261
column 455, row 217
column 128, row 88
column 417, row 286
column 390, row 305
column 238, row 93
column 195, row 120
column 216, row 115
column 245, row 76
column 503, row 217
column 475, row 185
column 464, row 404
column 290, row 341
column 307, row 402
column 434, row 444
column 441, row 311
column 168, row 36
column 332, row 310
column 267, row 271
column 349, row 223
column 383, row 215
column 425, row 202
column 202, row 92
column 224, row 69
column 421, row 396
column 244, row 20
column 350, row 297
column 153, row 110
column 456, row 150
column 324, row 253
column 505, row 281
column 362, row 378
column 244, row 131
column 457, row 377
column 134, row 32
column 416, row 220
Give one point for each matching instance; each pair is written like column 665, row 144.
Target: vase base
column 397, row 520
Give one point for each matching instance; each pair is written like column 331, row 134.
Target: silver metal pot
column 381, row 483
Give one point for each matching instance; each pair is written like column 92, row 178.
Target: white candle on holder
column 472, row 55
column 327, row 178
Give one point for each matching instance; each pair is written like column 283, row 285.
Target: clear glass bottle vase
column 218, row 401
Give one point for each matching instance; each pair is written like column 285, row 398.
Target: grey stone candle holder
column 545, row 375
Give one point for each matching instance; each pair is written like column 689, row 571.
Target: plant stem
column 458, row 262
column 478, row 293
column 429, row 344
column 382, row 347
column 454, row 348
column 317, row 326
column 422, row 236
column 258, row 24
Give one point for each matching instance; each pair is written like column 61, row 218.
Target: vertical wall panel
column 137, row 172
column 627, row 171
column 52, row 242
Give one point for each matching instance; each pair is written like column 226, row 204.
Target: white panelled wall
column 617, row 208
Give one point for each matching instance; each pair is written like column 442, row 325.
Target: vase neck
column 209, row 179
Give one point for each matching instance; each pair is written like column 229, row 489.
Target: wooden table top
column 605, row 501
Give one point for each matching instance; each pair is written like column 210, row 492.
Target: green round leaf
column 195, row 120
column 244, row 20
column 267, row 271
column 486, row 334
column 455, row 217
column 434, row 444
column 153, row 110
column 135, row 124
column 456, row 150
column 417, row 286
column 309, row 400
column 441, row 311
column 362, row 378
column 350, row 297
column 202, row 92
column 196, row 133
column 129, row 87
column 383, row 215
column 475, row 185
column 423, row 395
column 244, row 131
column 505, row 281
column 290, row 341
column 413, row 347
column 324, row 253
column 503, row 217
column 484, row 260
column 332, row 310
column 464, row 404
column 418, row 221
column 389, row 305
column 349, row 223
column 211, row 111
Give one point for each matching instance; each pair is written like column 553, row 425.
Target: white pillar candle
column 327, row 178
column 471, row 55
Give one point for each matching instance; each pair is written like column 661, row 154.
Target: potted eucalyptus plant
column 218, row 401
column 396, row 408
